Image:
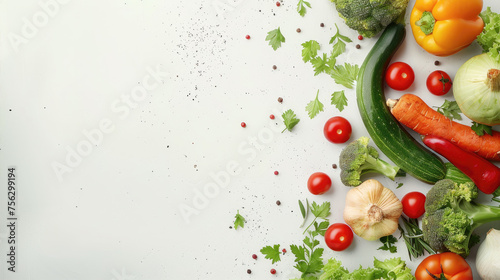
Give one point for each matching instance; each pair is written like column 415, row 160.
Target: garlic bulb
column 488, row 254
column 372, row 210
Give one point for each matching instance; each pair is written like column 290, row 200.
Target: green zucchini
column 386, row 132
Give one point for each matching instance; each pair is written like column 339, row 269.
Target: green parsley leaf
column 321, row 211
column 388, row 244
column 310, row 50
column 320, row 64
column 399, row 185
column 301, row 9
column 321, row 227
column 338, row 48
column 345, row 74
column 272, row 253
column 481, row 129
column 339, row 100
column 339, row 37
column 239, row 221
column 290, row 120
column 450, row 110
column 314, row 107
column 275, row 38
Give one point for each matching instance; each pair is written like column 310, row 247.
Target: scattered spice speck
column 254, row 256
column 247, row 37
column 278, row 4
column 276, row 172
column 280, row 100
column 437, row 62
column 334, row 166
column 249, row 271
column 298, row 30
column 358, row 46
column 243, row 124
column 322, row 24
column 275, row 67
column 278, row 203
column 271, row 117
column 284, row 251
column 273, row 271
column 360, row 37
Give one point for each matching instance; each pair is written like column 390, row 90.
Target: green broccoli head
column 370, row 17
column 451, row 216
column 358, row 158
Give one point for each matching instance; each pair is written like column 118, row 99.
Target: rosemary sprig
column 413, row 237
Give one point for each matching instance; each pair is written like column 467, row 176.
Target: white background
column 130, row 198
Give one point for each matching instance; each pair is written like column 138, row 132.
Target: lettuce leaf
column 489, row 38
column 390, row 269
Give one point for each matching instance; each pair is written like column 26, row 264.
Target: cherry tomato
column 439, row 83
column 451, row 265
column 319, row 183
column 413, row 204
column 399, row 76
column 337, row 130
column 338, row 237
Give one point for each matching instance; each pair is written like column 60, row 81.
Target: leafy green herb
column 450, row 110
column 339, row 100
column 489, row 38
column 481, row 129
column 314, row 107
column 388, row 244
column 290, row 120
column 310, row 50
column 321, row 227
column 272, row 253
column 496, row 195
column 301, row 7
column 308, row 257
column 320, row 64
column 275, row 38
column 339, row 37
column 414, row 238
column 239, row 221
column 319, row 211
column 338, row 48
column 399, row 185
column 304, row 211
column 345, row 74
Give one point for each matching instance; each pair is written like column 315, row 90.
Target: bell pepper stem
column 426, row 22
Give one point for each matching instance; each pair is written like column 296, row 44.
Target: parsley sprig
column 289, row 119
column 301, row 7
column 239, row 220
column 339, row 100
column 314, row 107
column 481, row 129
column 450, row 110
column 388, row 244
column 275, row 38
column 272, row 253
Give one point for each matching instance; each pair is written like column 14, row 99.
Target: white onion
column 488, row 256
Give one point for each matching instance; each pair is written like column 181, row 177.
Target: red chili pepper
column 483, row 173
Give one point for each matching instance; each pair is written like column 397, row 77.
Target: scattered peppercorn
column 276, row 172
column 284, row 251
column 358, row 46
column 248, row 37
column 273, row 271
column 275, row 67
column 243, row 124
column 298, row 30
column 278, row 202
column 254, row 256
column 360, row 37
column 334, row 166
column 280, row 99
column 437, row 62
column 322, row 24
column 249, row 271
column 278, row 4
column 271, row 117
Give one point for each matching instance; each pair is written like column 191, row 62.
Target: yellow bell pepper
column 444, row 27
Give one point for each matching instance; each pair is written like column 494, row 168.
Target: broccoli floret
column 358, row 158
column 451, row 216
column 369, row 17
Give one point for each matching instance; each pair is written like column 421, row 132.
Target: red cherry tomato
column 319, row 183
column 338, row 237
column 439, row 83
column 337, row 130
column 413, row 204
column 399, row 76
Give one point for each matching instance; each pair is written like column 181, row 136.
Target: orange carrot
column 414, row 113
